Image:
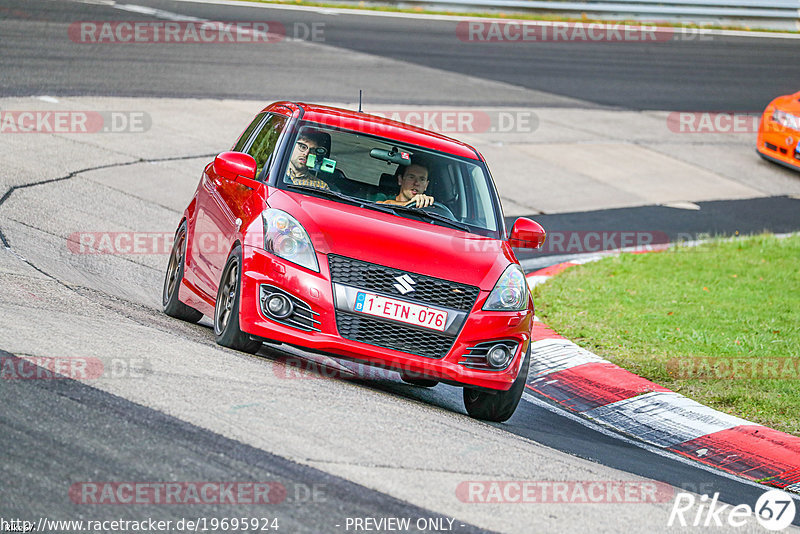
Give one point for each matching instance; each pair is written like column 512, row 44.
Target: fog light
column 279, row 306
column 498, row 356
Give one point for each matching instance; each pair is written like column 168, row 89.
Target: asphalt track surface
column 666, row 224
column 65, row 430
column 73, row 439
column 703, row 73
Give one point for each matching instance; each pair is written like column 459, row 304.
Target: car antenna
column 359, row 101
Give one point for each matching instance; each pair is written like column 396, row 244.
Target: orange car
column 779, row 131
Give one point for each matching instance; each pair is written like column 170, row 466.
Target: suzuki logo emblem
column 404, row 284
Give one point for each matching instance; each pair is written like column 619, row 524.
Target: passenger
column 413, row 181
column 309, row 142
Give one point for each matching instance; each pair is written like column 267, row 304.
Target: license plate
column 397, row 310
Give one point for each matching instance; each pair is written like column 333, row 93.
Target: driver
column 309, row 141
column 413, row 181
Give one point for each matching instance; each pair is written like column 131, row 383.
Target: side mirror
column 237, row 167
column 526, row 234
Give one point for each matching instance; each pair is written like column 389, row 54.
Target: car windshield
column 383, row 174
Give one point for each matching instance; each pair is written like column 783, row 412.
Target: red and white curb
column 584, row 383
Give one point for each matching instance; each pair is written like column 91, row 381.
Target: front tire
column 500, row 406
column 226, row 310
column 172, row 281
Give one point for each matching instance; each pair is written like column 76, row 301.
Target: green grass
column 660, row 315
column 510, row 14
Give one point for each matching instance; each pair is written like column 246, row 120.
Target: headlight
column 786, row 119
column 510, row 293
column 287, row 239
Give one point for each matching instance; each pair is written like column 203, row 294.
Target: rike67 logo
column 775, row 510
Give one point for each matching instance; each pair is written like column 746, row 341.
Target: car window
column 242, row 142
column 265, row 141
column 481, row 215
column 366, row 167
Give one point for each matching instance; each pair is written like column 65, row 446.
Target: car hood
column 788, row 103
column 405, row 244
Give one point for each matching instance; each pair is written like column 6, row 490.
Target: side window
column 264, row 144
column 240, row 144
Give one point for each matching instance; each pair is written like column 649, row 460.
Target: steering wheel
column 440, row 209
column 437, row 207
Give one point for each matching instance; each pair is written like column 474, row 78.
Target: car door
column 201, row 245
column 229, row 206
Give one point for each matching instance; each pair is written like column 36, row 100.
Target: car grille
column 392, row 335
column 427, row 290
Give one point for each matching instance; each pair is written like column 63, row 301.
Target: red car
column 356, row 236
column 779, row 132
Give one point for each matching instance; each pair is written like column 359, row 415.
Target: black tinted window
column 264, row 144
column 240, row 144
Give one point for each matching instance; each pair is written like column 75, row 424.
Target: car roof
column 372, row 124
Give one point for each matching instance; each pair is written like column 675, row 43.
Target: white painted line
column 682, row 205
column 50, row 99
column 552, row 355
column 178, row 17
column 610, row 432
column 664, row 418
column 158, row 13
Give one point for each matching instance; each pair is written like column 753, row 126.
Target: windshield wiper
column 341, row 196
column 432, row 216
column 327, row 192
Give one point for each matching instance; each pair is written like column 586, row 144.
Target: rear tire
column 500, row 406
column 172, row 281
column 226, row 309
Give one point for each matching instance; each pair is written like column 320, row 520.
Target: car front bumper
column 778, row 144
column 322, row 333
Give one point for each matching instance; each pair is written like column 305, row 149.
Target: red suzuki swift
column 356, row 236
